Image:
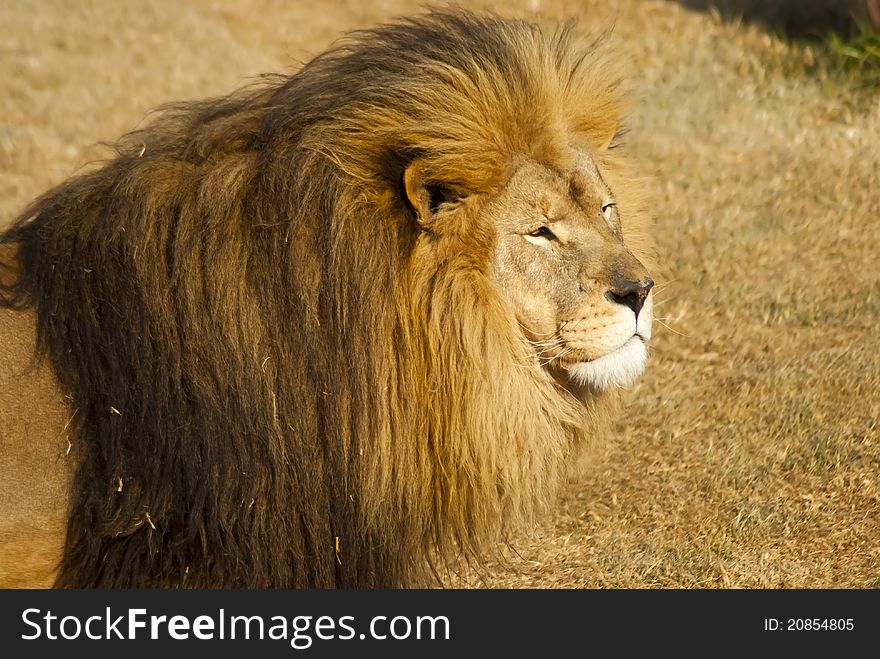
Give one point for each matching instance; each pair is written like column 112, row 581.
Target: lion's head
column 326, row 330
column 562, row 266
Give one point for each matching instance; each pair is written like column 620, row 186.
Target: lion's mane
column 277, row 377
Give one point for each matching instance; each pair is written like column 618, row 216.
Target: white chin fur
column 620, row 368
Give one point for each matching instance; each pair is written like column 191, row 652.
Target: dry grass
column 750, row 455
column 841, row 38
column 796, row 18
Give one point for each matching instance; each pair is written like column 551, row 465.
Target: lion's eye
column 540, row 236
column 608, row 210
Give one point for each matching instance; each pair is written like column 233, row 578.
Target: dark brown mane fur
column 270, row 386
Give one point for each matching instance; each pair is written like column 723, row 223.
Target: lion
column 336, row 329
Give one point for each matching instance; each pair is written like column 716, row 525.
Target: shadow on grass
column 798, row 19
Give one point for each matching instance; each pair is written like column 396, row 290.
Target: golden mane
column 279, row 377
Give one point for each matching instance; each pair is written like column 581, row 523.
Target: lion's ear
column 425, row 196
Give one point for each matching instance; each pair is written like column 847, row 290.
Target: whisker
column 666, row 300
column 545, row 354
column 528, row 331
column 550, row 340
column 545, row 343
column 674, row 331
column 660, row 287
column 562, row 354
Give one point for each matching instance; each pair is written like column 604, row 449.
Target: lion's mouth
column 618, row 368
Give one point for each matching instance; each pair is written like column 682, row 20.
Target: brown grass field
column 749, row 456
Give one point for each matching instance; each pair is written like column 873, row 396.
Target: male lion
column 328, row 331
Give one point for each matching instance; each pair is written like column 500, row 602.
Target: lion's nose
column 631, row 293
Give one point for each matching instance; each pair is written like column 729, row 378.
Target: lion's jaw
column 622, row 366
